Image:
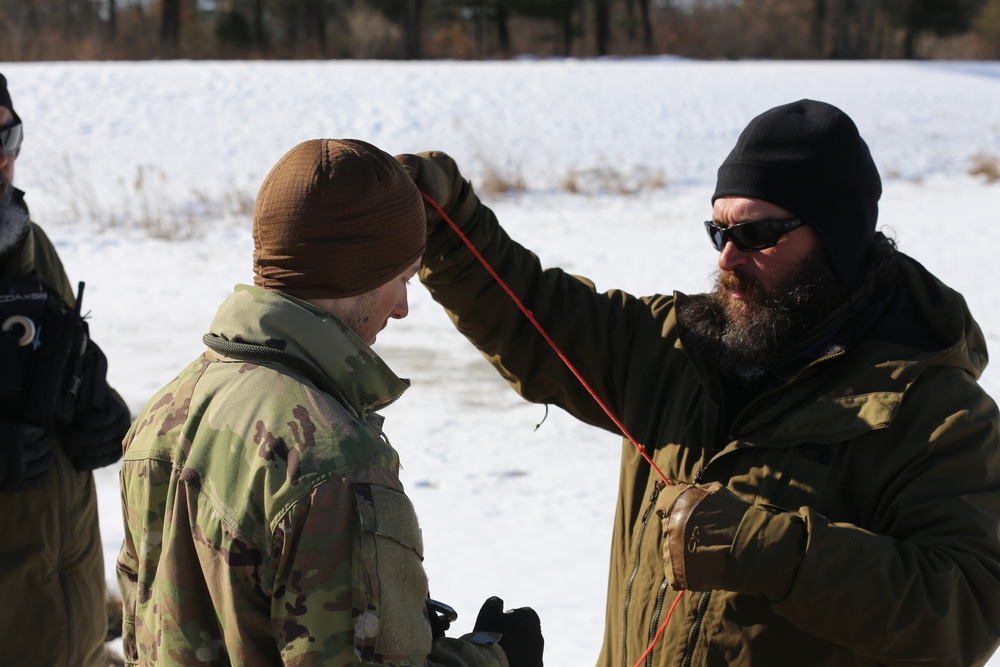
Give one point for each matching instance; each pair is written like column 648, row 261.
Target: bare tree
column 18, row 25
column 819, row 26
column 170, row 24
column 316, row 16
column 842, row 42
column 918, row 17
column 602, row 25
column 258, row 35
column 112, row 21
column 647, row 26
column 413, row 8
column 503, row 27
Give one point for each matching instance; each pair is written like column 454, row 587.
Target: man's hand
column 25, row 454
column 436, row 176
column 95, row 438
column 698, row 525
column 520, row 628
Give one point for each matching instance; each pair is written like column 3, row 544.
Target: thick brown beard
column 757, row 333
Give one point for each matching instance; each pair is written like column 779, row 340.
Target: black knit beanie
column 808, row 158
column 5, row 94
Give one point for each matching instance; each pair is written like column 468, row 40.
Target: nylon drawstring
column 552, row 344
column 569, row 365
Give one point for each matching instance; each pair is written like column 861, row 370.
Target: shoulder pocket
column 389, row 585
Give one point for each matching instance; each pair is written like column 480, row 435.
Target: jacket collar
column 855, row 376
column 274, row 320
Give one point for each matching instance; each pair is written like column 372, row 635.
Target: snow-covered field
column 506, row 509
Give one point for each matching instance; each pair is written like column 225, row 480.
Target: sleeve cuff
column 767, row 550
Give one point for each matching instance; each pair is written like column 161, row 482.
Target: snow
column 506, row 509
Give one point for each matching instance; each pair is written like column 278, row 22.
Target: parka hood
column 927, row 314
column 896, row 332
column 921, row 323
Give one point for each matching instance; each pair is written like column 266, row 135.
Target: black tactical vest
column 41, row 341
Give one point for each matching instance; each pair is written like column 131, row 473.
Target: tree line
column 492, row 29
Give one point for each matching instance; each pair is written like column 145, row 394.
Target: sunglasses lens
column 753, row 236
column 10, row 138
column 715, row 235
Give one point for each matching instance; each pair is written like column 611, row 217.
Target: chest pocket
column 787, row 478
column 389, row 585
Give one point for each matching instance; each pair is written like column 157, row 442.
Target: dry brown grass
column 149, row 203
column 495, row 181
column 609, row 180
column 987, row 166
column 601, row 179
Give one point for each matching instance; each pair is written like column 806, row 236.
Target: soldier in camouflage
column 265, row 523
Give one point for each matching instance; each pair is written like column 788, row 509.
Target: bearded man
column 831, row 467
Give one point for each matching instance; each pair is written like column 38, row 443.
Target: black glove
column 520, row 628
column 95, row 438
column 25, row 454
column 437, row 176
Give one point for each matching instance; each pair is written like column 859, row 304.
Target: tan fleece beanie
column 335, row 218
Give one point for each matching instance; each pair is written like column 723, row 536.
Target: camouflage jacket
column 264, row 520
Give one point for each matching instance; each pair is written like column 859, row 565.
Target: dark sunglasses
column 751, row 236
column 11, row 135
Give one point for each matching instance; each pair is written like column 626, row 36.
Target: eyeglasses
column 11, row 135
column 751, row 236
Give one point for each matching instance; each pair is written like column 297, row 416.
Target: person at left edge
column 59, row 420
column 265, row 522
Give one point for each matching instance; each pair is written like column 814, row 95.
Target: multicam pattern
column 265, row 524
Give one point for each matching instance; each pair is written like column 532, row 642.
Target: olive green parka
column 873, row 472
column 51, row 558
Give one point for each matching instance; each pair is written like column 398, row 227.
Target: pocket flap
column 389, row 514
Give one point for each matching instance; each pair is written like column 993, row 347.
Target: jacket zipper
column 753, row 423
column 635, row 570
column 706, row 597
column 60, row 564
column 695, row 629
column 655, row 623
